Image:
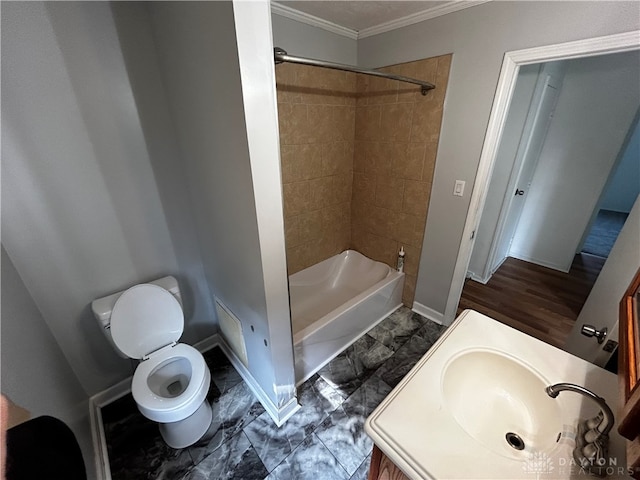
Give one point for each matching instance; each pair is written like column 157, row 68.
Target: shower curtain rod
column 282, row 56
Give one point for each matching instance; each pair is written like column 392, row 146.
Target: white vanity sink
column 492, row 395
column 475, row 406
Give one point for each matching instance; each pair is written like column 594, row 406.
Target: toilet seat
column 167, row 409
column 146, row 323
column 144, row 319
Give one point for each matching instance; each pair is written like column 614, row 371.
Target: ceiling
column 360, row 15
column 362, row 18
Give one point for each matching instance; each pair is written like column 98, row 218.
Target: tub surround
column 421, row 431
column 334, row 302
column 316, row 111
column 397, row 133
column 358, row 156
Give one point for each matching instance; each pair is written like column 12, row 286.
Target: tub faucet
column 592, row 439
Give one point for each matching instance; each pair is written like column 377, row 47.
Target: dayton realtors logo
column 542, row 465
column 538, row 463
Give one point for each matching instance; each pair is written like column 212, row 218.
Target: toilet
column 171, row 381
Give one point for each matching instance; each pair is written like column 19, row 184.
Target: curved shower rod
column 281, row 55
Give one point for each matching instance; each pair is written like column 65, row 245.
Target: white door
column 601, row 308
column 531, row 144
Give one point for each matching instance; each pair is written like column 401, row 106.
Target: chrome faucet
column 592, row 439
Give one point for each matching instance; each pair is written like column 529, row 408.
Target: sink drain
column 515, row 441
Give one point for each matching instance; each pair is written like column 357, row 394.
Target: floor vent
column 231, row 330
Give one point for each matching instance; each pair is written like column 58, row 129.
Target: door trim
column 623, row 42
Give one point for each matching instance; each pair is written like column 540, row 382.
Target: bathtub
column 335, row 302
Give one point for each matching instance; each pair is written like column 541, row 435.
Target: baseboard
column 111, row 394
column 428, row 313
column 478, row 278
column 542, row 263
column 279, row 415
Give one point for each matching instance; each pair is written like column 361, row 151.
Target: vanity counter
column 446, row 417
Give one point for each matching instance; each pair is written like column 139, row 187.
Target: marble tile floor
column 324, row 440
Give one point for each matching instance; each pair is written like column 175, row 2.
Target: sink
column 501, row 403
column 475, row 406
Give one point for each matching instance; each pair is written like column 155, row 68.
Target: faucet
column 592, row 439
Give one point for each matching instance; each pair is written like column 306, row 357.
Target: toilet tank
column 102, row 307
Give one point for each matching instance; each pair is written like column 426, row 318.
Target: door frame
column 522, row 160
column 623, row 42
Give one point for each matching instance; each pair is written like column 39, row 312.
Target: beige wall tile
column 411, row 259
column 409, row 291
column 404, row 229
column 364, row 188
column 300, row 162
column 337, row 157
column 389, row 192
column 358, row 155
column 292, row 231
column 321, row 192
column 296, row 258
column 395, row 122
column 368, row 123
column 310, row 225
column 343, row 184
column 416, row 197
column 426, row 124
column 296, row 198
column 410, row 164
column 382, row 90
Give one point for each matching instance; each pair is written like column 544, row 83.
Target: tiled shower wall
column 358, row 155
column 316, row 109
column 397, row 131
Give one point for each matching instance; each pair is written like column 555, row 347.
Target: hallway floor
column 604, row 232
column 324, row 440
column 538, row 301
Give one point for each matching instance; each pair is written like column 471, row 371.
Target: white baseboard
column 120, row 389
column 428, row 313
column 542, row 263
column 278, row 414
column 478, row 278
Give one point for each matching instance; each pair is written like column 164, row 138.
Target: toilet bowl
column 171, row 382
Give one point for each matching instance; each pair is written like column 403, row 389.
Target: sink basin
column 501, row 403
column 475, row 406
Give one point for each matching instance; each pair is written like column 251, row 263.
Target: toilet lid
column 145, row 318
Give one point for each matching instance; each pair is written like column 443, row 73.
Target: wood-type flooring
column 538, row 301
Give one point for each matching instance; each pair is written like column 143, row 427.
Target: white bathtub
column 335, row 302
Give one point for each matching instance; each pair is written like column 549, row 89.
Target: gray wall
column 200, row 70
column 35, row 373
column 478, row 37
column 307, row 41
column 88, row 207
column 624, row 186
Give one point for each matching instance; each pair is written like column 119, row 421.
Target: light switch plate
column 458, row 189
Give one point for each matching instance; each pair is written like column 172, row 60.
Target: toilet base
column 188, row 431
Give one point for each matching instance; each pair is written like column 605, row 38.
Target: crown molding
column 438, row 11
column 418, row 17
column 302, row 17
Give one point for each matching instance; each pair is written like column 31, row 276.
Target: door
column 535, row 132
column 601, row 308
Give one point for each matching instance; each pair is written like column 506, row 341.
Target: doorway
column 533, row 236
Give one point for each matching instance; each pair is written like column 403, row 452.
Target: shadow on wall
column 358, row 155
